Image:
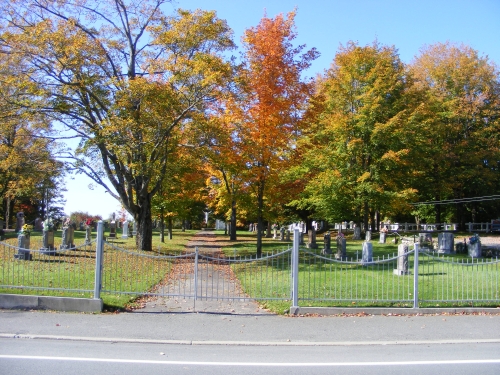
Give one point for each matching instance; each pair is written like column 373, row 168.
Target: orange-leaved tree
column 275, row 96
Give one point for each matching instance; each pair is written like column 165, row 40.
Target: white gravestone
column 367, row 255
column 125, row 230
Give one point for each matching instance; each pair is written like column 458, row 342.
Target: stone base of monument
column 48, row 251
column 401, row 272
column 23, row 255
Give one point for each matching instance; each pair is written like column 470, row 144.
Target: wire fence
column 302, row 276
column 52, row 272
column 324, row 278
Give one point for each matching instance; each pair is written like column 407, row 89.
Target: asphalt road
column 48, row 357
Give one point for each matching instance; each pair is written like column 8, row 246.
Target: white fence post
column 415, row 276
column 98, row 260
column 295, row 269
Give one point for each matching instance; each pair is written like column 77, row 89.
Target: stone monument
column 19, row 221
column 341, row 253
column 425, row 241
column 327, row 243
column 402, row 263
column 311, row 243
column 474, row 246
column 112, row 228
column 125, row 230
column 282, row 233
column 367, row 254
column 23, row 244
column 357, row 233
column 446, row 243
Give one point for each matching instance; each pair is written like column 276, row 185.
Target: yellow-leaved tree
column 124, row 77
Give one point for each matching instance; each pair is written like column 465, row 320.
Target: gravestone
column 311, row 243
column 368, row 235
column 88, row 235
column 474, row 247
column 446, row 243
column 425, row 241
column 250, row 227
column 48, row 243
column 19, row 221
column 341, row 253
column 383, row 237
column 112, row 230
column 134, row 229
column 125, row 230
column 64, row 238
column 288, row 235
column 275, row 231
column 82, row 225
column 71, row 237
column 367, row 254
column 38, row 224
column 23, row 244
column 402, row 262
column 357, row 233
column 327, row 243
column 461, row 247
column 282, row 233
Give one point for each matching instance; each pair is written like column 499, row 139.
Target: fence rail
column 302, row 276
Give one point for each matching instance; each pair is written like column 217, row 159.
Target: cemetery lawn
column 57, row 275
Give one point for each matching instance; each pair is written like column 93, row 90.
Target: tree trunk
column 144, row 237
column 260, row 223
column 170, row 225
column 372, row 220
column 162, row 226
column 366, row 211
column 232, row 227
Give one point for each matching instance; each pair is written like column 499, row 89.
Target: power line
column 462, row 200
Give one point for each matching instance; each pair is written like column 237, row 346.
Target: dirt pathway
column 213, row 280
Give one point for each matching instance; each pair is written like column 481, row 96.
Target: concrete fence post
column 98, row 260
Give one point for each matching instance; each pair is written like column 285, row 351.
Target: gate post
column 415, row 276
column 295, row 270
column 196, row 252
column 98, row 259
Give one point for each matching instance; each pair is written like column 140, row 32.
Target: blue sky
column 326, row 24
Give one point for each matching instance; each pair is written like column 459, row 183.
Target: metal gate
column 196, row 275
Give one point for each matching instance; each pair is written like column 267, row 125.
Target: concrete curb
column 19, row 301
column 245, row 343
column 389, row 310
